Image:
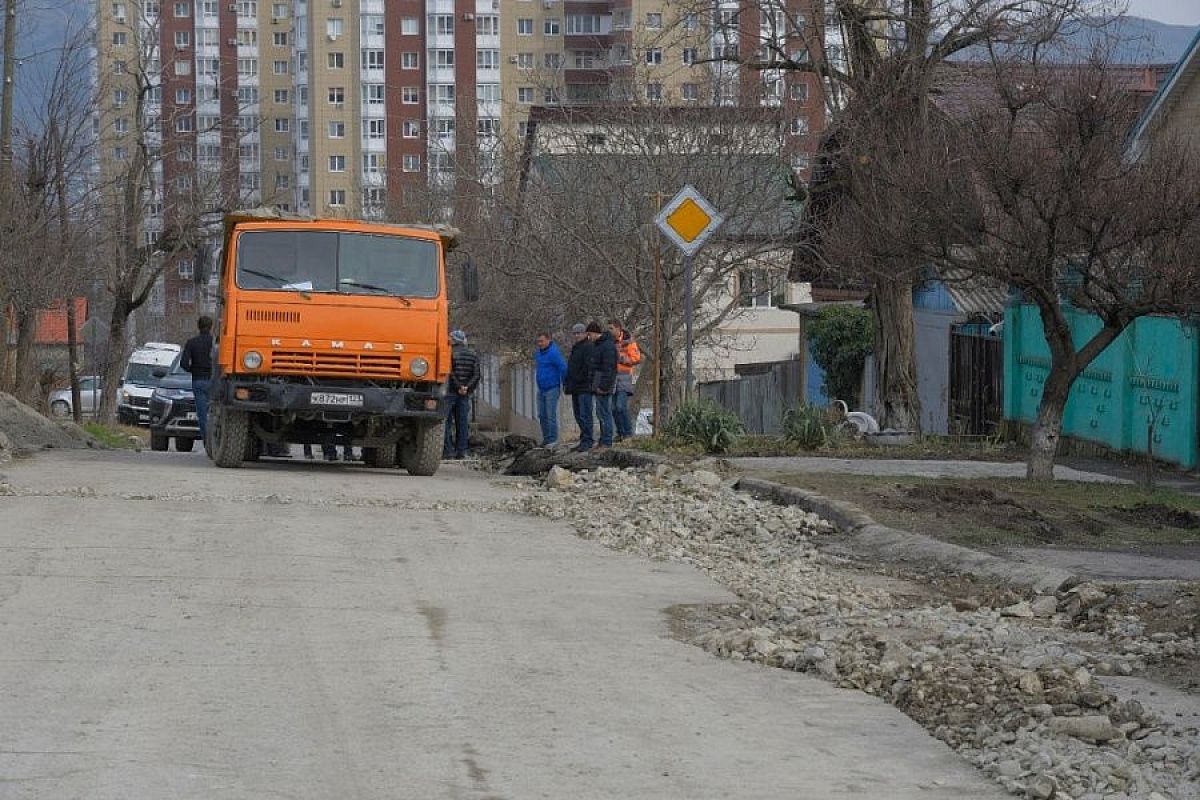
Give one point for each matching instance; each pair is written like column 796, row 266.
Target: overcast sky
column 1176, row 12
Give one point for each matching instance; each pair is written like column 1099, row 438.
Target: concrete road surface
column 300, row 630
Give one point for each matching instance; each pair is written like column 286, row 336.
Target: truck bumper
column 248, row 394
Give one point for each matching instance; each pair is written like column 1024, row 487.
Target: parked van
column 138, row 381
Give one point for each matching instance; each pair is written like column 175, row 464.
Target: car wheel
column 184, row 445
column 60, row 408
column 158, row 441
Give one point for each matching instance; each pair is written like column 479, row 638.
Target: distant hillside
column 1133, row 40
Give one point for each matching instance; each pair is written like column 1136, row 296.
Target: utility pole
column 6, row 106
column 659, row 197
column 6, row 159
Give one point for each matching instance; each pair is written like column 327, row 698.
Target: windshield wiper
column 267, row 275
column 372, row 288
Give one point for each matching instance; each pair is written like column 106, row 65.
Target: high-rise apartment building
column 342, row 107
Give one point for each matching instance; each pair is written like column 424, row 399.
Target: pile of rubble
column 1017, row 690
column 24, row 430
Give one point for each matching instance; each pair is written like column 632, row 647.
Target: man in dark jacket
column 604, row 380
column 578, row 384
column 464, row 378
column 196, row 358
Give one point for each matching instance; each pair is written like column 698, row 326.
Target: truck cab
column 331, row 332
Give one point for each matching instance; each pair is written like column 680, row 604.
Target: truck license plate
column 333, row 399
column 189, row 416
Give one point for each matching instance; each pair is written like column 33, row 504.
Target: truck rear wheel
column 423, row 454
column 379, row 456
column 158, row 442
column 229, row 434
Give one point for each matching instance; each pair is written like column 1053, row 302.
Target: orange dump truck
column 331, row 332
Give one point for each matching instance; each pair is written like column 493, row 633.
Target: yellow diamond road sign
column 688, row 220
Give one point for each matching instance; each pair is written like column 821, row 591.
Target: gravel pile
column 1013, row 689
column 24, row 430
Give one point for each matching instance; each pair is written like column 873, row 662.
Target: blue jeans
column 584, row 407
column 458, row 419
column 621, row 413
column 604, row 404
column 547, row 411
column 200, row 394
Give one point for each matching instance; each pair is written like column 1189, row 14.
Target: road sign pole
column 687, row 313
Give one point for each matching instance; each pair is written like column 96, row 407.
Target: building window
column 281, row 154
column 337, row 130
column 442, row 24
column 333, row 27
column 551, row 26
column 443, row 94
column 583, row 23
column 120, row 39
column 525, row 94
column 689, row 55
column 410, row 60
column 121, row 125
column 761, row 288
column 690, row 92
column 283, row 181
column 487, row 127
column 412, row 129
column 279, row 67
column 335, row 60
column 412, row 163
column 487, row 59
column 524, row 27
column 654, row 20
column 281, row 10
column 373, row 94
column 372, row 59
column 487, row 93
column 552, row 60
column 185, row 124
column 282, row 124
column 187, row 269
column 376, row 128
column 279, row 39
column 443, row 58
column 337, row 163
column 799, row 92
column 183, row 96
column 654, row 92
column 525, row 60
column 410, row 26
column 187, row 294
column 372, row 163
column 410, row 95
column 120, row 97
column 280, row 96
column 247, row 95
column 337, row 197
column 654, row 55
column 247, row 38
column 799, row 127
column 444, row 128
column 247, row 8
column 487, row 25
column 337, row 95
column 372, row 25
column 550, row 95
column 119, row 67
column 183, row 38
column 209, row 8
column 247, row 67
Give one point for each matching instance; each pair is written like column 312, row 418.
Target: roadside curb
column 905, row 547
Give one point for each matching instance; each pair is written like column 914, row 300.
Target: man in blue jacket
column 551, row 369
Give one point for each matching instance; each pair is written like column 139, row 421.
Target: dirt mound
column 955, row 495
column 998, row 510
column 23, row 430
column 1161, row 516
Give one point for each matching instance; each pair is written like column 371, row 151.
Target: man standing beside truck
column 196, row 359
column 464, row 378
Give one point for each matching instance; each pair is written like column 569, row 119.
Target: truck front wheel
column 229, row 435
column 422, row 455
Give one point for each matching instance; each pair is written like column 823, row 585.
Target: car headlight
column 252, row 359
column 171, row 395
column 124, row 395
column 419, row 367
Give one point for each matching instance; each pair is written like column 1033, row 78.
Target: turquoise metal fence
column 1146, row 379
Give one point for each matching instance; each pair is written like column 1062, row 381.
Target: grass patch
column 927, row 448
column 116, row 436
column 1004, row 512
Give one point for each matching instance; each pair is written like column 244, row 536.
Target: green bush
column 806, row 427
column 841, row 339
column 705, row 424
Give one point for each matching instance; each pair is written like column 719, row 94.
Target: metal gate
column 976, row 384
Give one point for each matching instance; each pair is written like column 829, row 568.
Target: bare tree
column 876, row 61
column 1038, row 191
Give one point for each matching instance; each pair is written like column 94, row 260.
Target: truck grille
column 266, row 315
column 366, row 365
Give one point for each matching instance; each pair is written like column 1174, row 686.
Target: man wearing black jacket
column 196, row 358
column 604, row 380
column 578, row 385
column 464, row 378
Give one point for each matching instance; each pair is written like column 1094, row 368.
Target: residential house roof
column 1185, row 70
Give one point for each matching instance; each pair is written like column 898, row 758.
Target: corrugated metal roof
column 973, row 294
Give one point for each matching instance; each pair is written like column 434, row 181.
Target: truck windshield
column 330, row 261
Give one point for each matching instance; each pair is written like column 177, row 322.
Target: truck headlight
column 124, row 396
column 252, row 359
column 419, row 367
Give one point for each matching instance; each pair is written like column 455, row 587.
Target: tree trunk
column 1047, row 430
column 113, row 360
column 898, row 405
column 73, row 361
column 23, row 382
